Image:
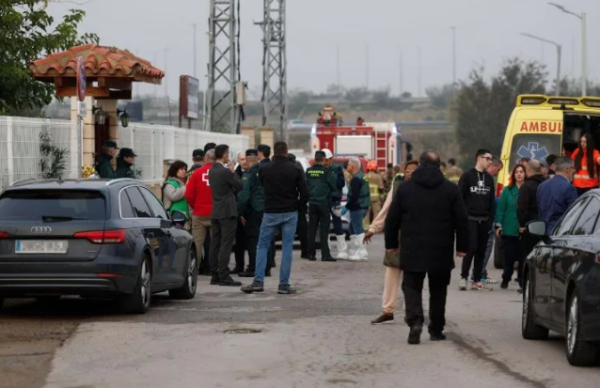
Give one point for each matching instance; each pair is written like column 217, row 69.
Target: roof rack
column 120, row 180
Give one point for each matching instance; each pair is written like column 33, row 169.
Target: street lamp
column 99, row 115
column 558, row 52
column 124, row 116
column 583, row 19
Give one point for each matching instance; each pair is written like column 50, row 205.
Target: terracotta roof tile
column 100, row 61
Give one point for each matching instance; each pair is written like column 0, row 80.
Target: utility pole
column 420, row 72
column 367, row 66
column 559, row 57
column 453, row 57
column 274, row 93
column 337, row 66
column 195, row 53
column 221, row 108
column 401, row 81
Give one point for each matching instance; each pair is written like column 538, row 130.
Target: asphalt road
column 320, row 337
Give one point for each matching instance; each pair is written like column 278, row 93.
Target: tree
column 481, row 109
column 28, row 32
column 382, row 97
column 441, row 97
column 335, row 90
column 356, row 94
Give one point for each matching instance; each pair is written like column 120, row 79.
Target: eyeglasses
column 488, row 158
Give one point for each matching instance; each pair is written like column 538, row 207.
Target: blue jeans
column 356, row 221
column 270, row 223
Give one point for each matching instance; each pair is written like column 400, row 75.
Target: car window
column 565, row 226
column 140, row 207
column 155, row 205
column 35, row 205
column 586, row 222
column 126, row 207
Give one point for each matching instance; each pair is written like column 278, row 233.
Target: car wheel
column 579, row 352
column 529, row 329
column 138, row 302
column 188, row 290
column 498, row 253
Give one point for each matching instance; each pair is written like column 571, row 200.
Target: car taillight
column 499, row 189
column 3, row 235
column 103, row 236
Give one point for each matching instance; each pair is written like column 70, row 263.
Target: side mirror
column 537, row 228
column 178, row 218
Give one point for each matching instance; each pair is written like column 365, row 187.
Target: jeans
column 412, row 286
column 488, row 253
column 356, row 221
column 270, row 223
column 479, row 232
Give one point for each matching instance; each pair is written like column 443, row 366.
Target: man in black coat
column 429, row 212
column 224, row 184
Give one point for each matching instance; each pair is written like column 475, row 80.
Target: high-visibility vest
column 582, row 178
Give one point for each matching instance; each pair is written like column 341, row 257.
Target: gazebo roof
column 100, row 61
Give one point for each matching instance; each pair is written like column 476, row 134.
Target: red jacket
column 198, row 192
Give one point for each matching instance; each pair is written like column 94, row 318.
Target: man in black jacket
column 264, row 157
column 527, row 207
column 224, row 184
column 428, row 211
column 285, row 192
column 476, row 188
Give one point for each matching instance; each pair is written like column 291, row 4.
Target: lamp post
column 559, row 57
column 583, row 18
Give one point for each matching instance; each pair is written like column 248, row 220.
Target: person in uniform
column 104, row 166
column 376, row 189
column 321, row 183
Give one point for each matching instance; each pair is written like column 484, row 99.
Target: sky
column 487, row 33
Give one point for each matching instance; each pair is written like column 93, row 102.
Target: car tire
column 138, row 302
column 188, row 290
column 529, row 329
column 498, row 253
column 579, row 352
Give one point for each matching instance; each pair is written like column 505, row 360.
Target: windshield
column 53, row 205
column 537, row 147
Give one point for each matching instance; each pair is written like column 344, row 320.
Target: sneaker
column 477, row 286
column 462, row 284
column 414, row 337
column 286, row 289
column 229, row 282
column 254, row 287
column 384, row 317
column 437, row 336
column 490, row 281
column 504, row 285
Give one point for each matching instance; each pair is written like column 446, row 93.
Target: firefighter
column 376, row 188
column 321, row 183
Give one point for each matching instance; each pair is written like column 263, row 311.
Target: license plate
column 41, row 246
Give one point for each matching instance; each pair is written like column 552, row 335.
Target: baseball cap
column 127, row 153
column 251, row 152
column 328, row 153
column 197, row 153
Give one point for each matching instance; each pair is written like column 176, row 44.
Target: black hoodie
column 429, row 212
column 477, row 191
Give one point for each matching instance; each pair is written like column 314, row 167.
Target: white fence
column 20, row 146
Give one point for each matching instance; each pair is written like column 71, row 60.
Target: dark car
column 93, row 238
column 562, row 281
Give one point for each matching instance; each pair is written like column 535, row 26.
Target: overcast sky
column 487, row 31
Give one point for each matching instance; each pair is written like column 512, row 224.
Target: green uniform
column 124, row 170
column 104, row 167
column 252, row 196
column 194, row 167
column 321, row 184
column 364, row 194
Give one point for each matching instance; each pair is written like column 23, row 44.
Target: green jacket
column 124, row 169
column 252, row 196
column 359, row 194
column 506, row 212
column 104, row 167
column 181, row 205
column 340, row 179
column 321, row 183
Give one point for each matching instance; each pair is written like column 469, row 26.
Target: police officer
column 251, row 207
column 321, row 183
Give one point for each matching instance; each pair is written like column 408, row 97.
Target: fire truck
column 373, row 141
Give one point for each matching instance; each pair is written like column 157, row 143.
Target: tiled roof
column 100, row 61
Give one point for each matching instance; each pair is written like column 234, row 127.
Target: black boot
column 248, row 273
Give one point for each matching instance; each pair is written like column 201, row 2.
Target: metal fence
column 20, row 147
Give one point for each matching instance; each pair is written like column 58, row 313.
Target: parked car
column 93, row 238
column 562, row 281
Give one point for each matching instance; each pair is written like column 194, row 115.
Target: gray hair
column 497, row 162
column 535, row 166
column 210, row 155
column 355, row 162
column 563, row 163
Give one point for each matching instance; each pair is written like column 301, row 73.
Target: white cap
column 328, row 153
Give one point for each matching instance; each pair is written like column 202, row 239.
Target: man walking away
column 453, row 173
column 200, row 198
column 251, row 207
column 285, row 192
column 476, row 188
column 428, row 211
column 264, row 157
column 224, row 184
column 335, row 203
column 376, row 188
column 555, row 196
column 320, row 185
column 527, row 207
column 359, row 200
column 198, row 159
column 493, row 170
column 104, row 166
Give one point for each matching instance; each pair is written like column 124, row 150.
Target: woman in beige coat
column 393, row 273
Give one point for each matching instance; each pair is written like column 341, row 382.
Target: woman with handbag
column 173, row 191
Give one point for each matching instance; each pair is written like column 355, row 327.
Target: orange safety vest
column 582, row 178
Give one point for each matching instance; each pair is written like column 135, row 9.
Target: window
column 140, row 207
column 35, row 205
column 126, row 207
column 157, row 207
column 564, row 228
column 585, row 224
